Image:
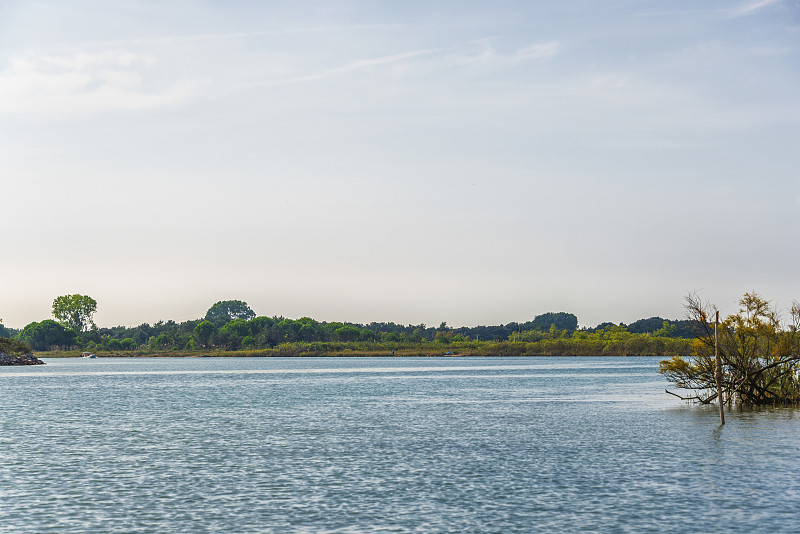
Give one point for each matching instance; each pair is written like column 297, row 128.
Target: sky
column 418, row 162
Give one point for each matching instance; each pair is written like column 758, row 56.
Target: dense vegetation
column 13, row 347
column 232, row 326
column 7, row 332
column 760, row 356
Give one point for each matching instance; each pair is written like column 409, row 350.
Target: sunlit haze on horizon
column 415, row 162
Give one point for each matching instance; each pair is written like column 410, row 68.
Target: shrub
column 12, row 346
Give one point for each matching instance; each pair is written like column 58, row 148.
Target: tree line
column 232, row 325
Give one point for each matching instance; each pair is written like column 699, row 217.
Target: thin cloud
column 537, row 52
column 754, row 6
column 83, row 82
column 678, row 12
column 167, row 39
column 352, row 67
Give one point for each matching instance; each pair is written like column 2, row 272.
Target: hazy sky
column 463, row 161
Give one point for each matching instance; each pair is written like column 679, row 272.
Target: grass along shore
column 636, row 345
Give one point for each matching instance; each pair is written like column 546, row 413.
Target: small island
column 13, row 352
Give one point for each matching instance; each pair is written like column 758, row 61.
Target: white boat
column 87, row 355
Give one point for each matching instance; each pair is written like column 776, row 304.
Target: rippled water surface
column 386, row 445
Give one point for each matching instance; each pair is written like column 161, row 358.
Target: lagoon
column 173, row 445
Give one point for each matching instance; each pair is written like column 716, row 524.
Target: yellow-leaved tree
column 760, row 355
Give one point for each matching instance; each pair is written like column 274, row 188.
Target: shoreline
column 354, row 354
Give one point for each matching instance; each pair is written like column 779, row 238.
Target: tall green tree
column 561, row 320
column 228, row 310
column 203, row 332
column 232, row 334
column 347, row 333
column 47, row 335
column 75, row 311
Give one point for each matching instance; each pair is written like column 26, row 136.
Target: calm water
column 383, row 445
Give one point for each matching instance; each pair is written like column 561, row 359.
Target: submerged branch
column 698, row 398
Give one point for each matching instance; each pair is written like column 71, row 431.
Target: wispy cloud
column 537, row 52
column 83, row 82
column 753, row 6
column 671, row 13
column 189, row 37
column 352, row 66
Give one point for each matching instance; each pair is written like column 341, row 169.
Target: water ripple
column 506, row 445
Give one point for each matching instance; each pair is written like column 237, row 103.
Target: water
column 383, row 445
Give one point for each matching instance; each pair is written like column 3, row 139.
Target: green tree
column 760, row 357
column 646, row 326
column 203, row 333
column 667, row 330
column 239, row 327
column 260, row 325
column 365, row 334
column 47, row 335
column 6, row 332
column 443, row 337
column 228, row 310
column 529, row 336
column 347, row 333
column 232, row 334
column 160, row 342
column 75, row 311
column 561, row 320
column 308, row 332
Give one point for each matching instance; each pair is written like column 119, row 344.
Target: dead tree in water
column 760, row 358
